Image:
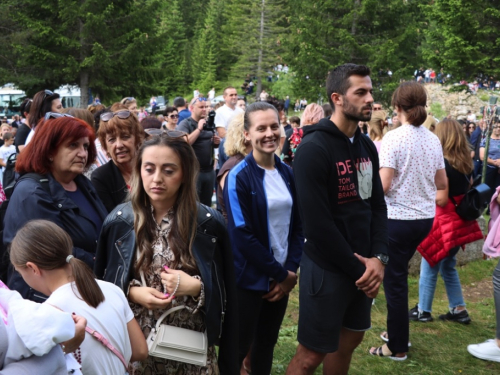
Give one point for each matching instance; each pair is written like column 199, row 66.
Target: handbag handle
column 167, row 313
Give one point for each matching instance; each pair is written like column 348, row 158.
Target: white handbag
column 177, row 344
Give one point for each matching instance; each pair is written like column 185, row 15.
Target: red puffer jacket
column 448, row 231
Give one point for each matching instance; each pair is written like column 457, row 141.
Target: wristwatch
column 384, row 258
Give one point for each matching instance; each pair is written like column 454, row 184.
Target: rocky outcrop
column 456, row 104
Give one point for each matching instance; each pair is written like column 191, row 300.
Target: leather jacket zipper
column 222, row 299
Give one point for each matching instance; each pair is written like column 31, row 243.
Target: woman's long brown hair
column 183, row 229
column 456, row 148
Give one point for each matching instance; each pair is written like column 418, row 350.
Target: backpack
column 9, row 175
column 474, row 202
column 4, row 255
column 295, row 140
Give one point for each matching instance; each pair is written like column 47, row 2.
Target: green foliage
column 437, row 110
column 462, row 36
column 151, row 47
column 284, row 86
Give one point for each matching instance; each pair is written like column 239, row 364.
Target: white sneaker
column 488, row 350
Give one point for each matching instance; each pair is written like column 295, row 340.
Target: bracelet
column 177, row 286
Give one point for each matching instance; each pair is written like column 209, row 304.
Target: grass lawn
column 437, row 347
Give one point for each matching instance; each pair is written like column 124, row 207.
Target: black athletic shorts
column 329, row 301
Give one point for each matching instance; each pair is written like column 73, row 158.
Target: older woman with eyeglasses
column 121, row 135
column 493, row 157
column 52, row 187
column 171, row 116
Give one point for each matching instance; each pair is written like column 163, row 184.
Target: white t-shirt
column 224, row 115
column 279, row 208
column 416, row 155
column 211, row 94
column 5, row 152
column 30, row 135
column 110, row 319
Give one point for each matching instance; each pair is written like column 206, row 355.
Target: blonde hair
column 456, row 148
column 82, row 114
column 235, row 140
column 377, row 125
column 312, row 114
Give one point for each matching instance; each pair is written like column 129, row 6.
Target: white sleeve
column 30, row 135
column 388, row 154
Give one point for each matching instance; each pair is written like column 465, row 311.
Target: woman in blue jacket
column 266, row 236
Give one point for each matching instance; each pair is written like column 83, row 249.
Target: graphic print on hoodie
column 341, row 199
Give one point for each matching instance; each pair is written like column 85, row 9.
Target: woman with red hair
column 52, row 187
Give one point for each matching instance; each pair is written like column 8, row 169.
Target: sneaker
column 419, row 316
column 456, row 316
column 487, row 350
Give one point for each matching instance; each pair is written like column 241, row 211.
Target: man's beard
column 351, row 112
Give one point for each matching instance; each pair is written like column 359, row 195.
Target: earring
column 51, row 159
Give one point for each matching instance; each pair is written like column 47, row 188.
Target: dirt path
column 476, row 292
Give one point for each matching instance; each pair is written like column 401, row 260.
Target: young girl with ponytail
column 46, row 264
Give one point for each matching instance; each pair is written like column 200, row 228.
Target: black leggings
column 259, row 326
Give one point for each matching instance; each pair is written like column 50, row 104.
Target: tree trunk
column 261, row 37
column 354, row 25
column 84, row 75
column 84, row 88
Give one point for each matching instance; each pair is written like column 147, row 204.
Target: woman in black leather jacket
column 164, row 250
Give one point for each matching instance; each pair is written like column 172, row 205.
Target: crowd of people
column 111, row 231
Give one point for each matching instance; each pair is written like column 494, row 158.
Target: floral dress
column 190, row 318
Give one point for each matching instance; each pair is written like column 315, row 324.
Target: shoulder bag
column 474, row 202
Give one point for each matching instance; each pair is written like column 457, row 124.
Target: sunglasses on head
column 129, row 99
column 120, row 114
column 53, row 115
column 46, row 94
column 175, row 134
column 200, row 99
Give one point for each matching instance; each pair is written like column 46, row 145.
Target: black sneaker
column 456, row 316
column 419, row 316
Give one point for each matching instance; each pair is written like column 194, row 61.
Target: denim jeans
column 428, row 280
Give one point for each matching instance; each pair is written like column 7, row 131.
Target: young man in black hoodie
column 344, row 216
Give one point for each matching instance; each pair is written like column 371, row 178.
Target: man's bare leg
column 338, row 363
column 305, row 361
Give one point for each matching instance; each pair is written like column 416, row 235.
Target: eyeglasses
column 173, row 116
column 46, row 94
column 120, row 114
column 53, row 115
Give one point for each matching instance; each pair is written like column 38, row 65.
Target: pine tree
column 256, row 28
column 172, row 64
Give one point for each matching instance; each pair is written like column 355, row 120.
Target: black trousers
column 404, row 237
column 259, row 326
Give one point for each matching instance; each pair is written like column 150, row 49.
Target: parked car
column 161, row 105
